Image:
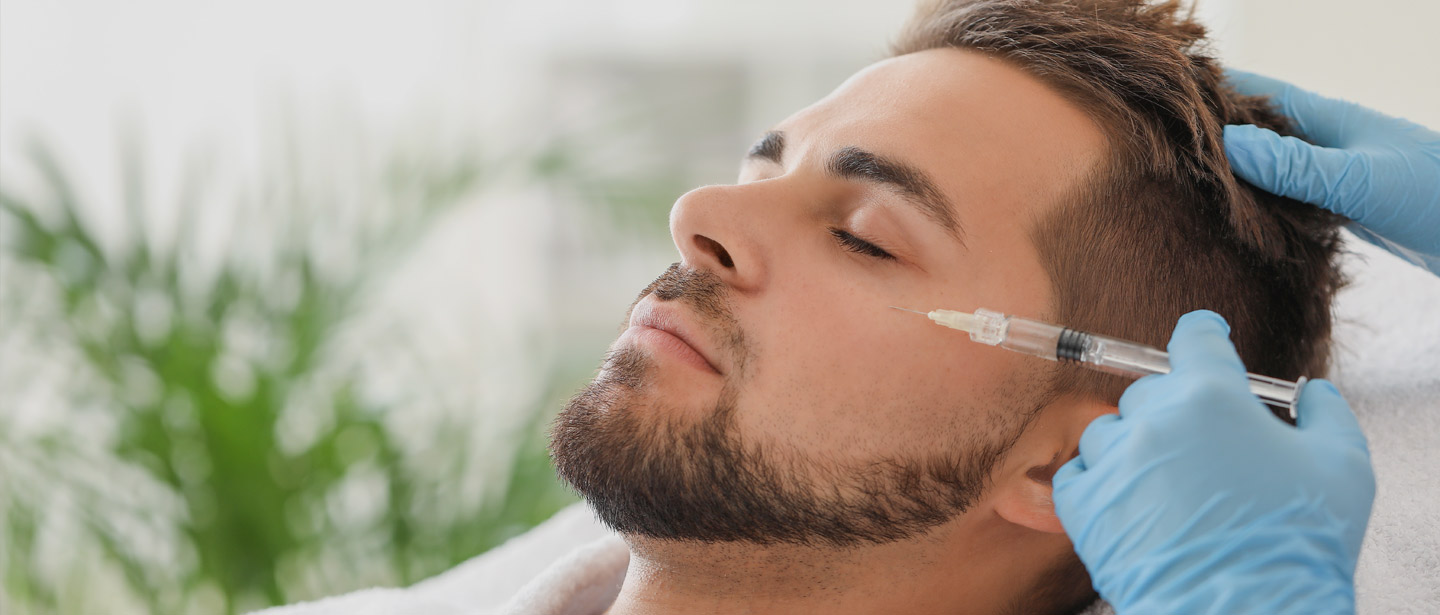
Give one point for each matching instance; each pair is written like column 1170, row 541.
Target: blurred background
column 290, row 289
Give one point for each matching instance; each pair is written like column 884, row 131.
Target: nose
column 716, row 228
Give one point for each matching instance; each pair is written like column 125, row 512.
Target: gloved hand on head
column 1196, row 499
column 1380, row 171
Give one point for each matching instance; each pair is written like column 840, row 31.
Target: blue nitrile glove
column 1196, row 499
column 1380, row 171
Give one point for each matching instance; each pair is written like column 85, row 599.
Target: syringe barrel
column 1119, row 357
column 1031, row 337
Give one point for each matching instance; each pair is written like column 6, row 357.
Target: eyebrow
column 854, row 163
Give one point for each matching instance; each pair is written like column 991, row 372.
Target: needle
column 909, row 310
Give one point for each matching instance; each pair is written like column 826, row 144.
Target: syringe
column 1097, row 352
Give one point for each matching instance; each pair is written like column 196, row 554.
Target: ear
column 1025, row 499
column 1022, row 490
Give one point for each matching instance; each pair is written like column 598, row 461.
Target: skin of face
column 833, row 374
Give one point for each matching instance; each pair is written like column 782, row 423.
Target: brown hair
column 1164, row 227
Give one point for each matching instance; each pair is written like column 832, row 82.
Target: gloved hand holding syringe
column 1097, row 352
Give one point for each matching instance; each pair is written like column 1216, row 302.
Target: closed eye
column 855, row 244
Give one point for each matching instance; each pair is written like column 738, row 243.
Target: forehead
column 992, row 136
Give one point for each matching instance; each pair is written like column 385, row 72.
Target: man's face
column 808, row 411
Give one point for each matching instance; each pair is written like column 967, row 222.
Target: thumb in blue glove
column 1380, row 171
column 1196, row 499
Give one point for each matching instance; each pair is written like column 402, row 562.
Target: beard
column 647, row 471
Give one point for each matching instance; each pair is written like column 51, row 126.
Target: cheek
column 836, row 377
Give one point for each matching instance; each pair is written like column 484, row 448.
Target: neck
column 974, row 564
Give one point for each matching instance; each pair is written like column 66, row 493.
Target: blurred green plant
column 209, row 446
column 198, row 499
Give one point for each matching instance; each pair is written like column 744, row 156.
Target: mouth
column 664, row 325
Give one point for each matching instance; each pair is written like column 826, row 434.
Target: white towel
column 1387, row 365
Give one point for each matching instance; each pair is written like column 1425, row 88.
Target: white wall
column 1381, row 53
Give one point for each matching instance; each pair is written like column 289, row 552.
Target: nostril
column 715, row 248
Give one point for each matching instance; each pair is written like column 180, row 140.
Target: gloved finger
column 1321, row 409
column 1099, row 435
column 1338, row 180
column 1140, row 392
column 1063, row 477
column 1317, row 118
column 1201, row 344
column 1144, row 393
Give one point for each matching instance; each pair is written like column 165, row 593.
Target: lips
column 666, row 318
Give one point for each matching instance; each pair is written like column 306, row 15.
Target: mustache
column 702, row 290
column 707, row 295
